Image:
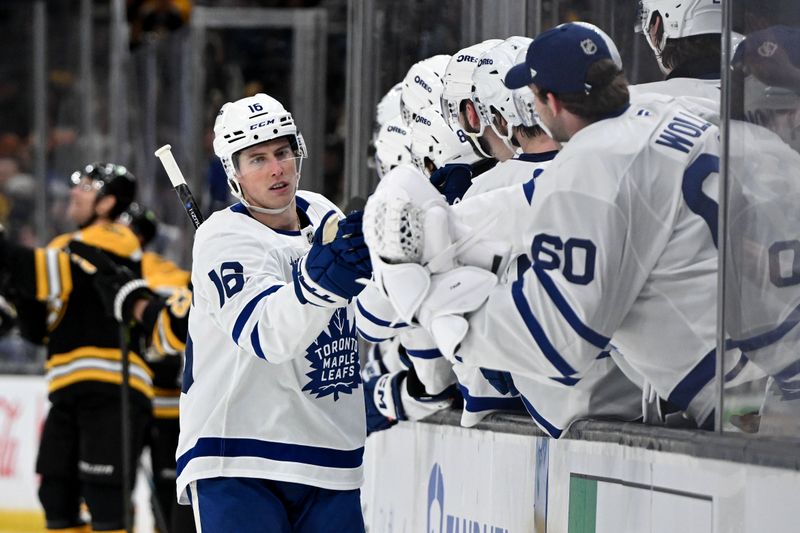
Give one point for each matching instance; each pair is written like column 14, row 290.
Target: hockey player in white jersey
column 272, row 409
column 621, row 255
column 685, row 38
column 460, row 114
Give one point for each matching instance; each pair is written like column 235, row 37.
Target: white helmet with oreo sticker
column 248, row 122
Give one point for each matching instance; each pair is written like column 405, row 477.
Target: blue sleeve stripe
column 432, row 353
column 603, row 355
column 377, row 321
column 368, row 337
column 586, row 333
column 765, row 339
column 528, row 188
column 476, row 404
column 697, row 378
column 540, row 420
column 256, row 342
column 536, row 331
column 736, row 370
column 247, row 311
column 275, row 451
column 567, row 380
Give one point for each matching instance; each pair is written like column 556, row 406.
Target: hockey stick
column 164, row 154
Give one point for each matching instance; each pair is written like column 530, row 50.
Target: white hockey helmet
column 422, row 86
column 524, row 99
column 247, row 122
column 389, row 106
column 490, row 93
column 392, row 146
column 458, row 82
column 433, row 139
column 680, row 18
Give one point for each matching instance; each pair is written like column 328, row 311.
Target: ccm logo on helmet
column 419, row 81
column 262, row 124
column 395, row 129
column 485, row 61
column 465, row 57
column 422, row 119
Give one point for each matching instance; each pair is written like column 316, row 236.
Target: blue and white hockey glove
column 326, row 276
column 452, row 181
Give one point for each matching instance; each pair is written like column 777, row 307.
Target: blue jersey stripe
column 567, row 380
column 255, row 340
column 431, row 353
column 369, row 338
column 528, row 188
column 697, row 378
column 275, row 451
column 475, row 404
column 536, row 331
column 586, row 333
column 542, row 421
column 247, row 311
column 765, row 339
column 375, row 320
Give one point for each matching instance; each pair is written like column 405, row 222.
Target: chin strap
column 266, row 210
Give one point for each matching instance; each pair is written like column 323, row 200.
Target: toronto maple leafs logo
column 334, row 358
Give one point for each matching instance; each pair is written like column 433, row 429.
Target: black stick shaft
column 189, row 204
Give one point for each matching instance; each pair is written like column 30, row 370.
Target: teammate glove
column 400, row 396
column 118, row 288
column 327, row 275
column 452, row 181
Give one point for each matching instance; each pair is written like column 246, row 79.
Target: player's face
column 268, row 173
column 82, row 199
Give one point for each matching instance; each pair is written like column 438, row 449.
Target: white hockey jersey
column 622, row 242
column 271, row 387
column 519, row 169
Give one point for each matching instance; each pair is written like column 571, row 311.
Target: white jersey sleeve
column 242, row 283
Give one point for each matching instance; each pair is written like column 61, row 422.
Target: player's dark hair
column 608, row 95
column 693, row 48
column 529, row 132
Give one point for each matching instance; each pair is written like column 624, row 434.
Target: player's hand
column 327, row 275
column 119, row 289
column 452, row 181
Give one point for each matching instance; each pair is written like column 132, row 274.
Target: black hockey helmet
column 109, row 180
column 142, row 221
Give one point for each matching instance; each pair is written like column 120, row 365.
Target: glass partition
column 762, row 219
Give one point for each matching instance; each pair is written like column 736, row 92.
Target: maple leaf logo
column 334, row 361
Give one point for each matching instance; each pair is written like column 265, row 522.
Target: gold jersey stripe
column 94, row 374
column 40, row 266
column 65, row 275
column 167, row 393
column 111, row 354
column 165, row 412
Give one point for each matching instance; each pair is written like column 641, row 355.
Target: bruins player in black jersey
column 163, row 320
column 80, row 455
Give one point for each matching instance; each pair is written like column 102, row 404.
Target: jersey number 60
column 579, row 257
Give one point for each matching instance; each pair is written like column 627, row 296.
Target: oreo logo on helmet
column 466, row 57
column 485, row 61
column 422, row 83
column 396, row 129
column 420, row 119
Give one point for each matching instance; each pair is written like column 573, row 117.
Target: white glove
column 451, row 295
